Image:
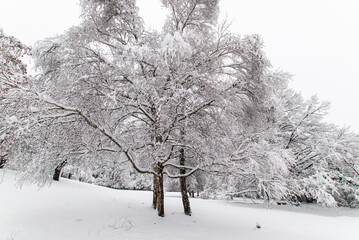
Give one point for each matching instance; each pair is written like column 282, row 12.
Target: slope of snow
column 76, row 211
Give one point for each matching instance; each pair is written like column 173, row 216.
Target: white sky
column 315, row 40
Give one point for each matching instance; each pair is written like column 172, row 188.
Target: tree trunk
column 57, row 171
column 160, row 195
column 185, row 199
column 154, row 201
column 2, row 161
column 183, row 186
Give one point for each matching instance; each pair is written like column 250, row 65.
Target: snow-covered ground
column 69, row 210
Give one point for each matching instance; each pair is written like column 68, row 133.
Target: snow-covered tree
column 190, row 102
column 343, row 163
column 14, row 96
column 157, row 99
column 258, row 165
column 321, row 166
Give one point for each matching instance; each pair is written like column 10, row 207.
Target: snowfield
column 70, row 210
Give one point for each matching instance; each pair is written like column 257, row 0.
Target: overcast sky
column 315, row 40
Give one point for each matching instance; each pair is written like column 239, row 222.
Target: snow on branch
column 146, row 113
column 103, row 131
column 182, row 175
column 203, row 106
column 178, row 166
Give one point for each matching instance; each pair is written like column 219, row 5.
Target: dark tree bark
column 154, row 201
column 183, row 186
column 161, row 197
column 158, row 191
column 57, row 171
column 160, row 194
column 2, row 161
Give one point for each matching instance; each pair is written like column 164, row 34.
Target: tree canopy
column 193, row 102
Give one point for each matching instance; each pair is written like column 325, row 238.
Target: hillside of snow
column 69, row 210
